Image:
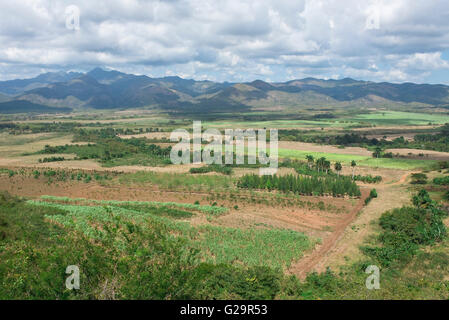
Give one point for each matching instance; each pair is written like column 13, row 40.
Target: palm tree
column 353, row 165
column 338, row 167
column 310, row 160
column 320, row 163
column 326, row 165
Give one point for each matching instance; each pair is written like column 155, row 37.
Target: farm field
column 398, row 118
column 104, row 186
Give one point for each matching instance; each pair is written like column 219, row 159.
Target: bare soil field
column 426, row 154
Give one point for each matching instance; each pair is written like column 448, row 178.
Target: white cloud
column 229, row 40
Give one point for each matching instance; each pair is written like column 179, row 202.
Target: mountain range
column 110, row 89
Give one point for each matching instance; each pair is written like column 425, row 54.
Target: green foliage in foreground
column 143, row 258
column 407, row 228
column 273, row 247
column 328, row 185
column 149, row 259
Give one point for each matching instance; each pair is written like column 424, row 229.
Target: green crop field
column 401, row 118
column 274, row 247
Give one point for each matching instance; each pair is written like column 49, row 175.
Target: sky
column 232, row 40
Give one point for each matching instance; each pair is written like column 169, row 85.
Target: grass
column 401, row 118
column 388, row 163
column 138, row 159
column 178, row 181
column 7, row 139
column 275, row 124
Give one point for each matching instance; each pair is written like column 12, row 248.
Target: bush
column 368, row 179
column 212, row 168
column 406, row 228
column 444, row 181
column 51, row 159
column 223, row 281
column 419, row 178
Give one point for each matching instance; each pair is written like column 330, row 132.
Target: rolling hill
column 23, row 106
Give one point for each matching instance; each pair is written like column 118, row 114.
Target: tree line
column 305, row 185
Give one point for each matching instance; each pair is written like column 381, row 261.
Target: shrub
column 419, row 178
column 212, row 168
column 368, row 179
column 406, row 228
column 444, row 181
column 446, row 195
column 223, row 281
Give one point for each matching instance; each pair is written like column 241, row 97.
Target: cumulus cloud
column 232, row 40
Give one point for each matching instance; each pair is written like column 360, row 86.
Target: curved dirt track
column 306, row 264
column 310, row 261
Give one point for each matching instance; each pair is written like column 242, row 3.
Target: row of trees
column 305, row 185
column 324, row 165
column 424, row 141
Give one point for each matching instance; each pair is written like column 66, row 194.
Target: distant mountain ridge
column 110, row 89
column 13, row 87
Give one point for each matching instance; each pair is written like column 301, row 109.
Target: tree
column 338, row 167
column 445, row 130
column 353, row 165
column 377, row 152
column 310, row 160
column 321, row 163
column 326, row 165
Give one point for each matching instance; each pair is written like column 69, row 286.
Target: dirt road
column 334, row 247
